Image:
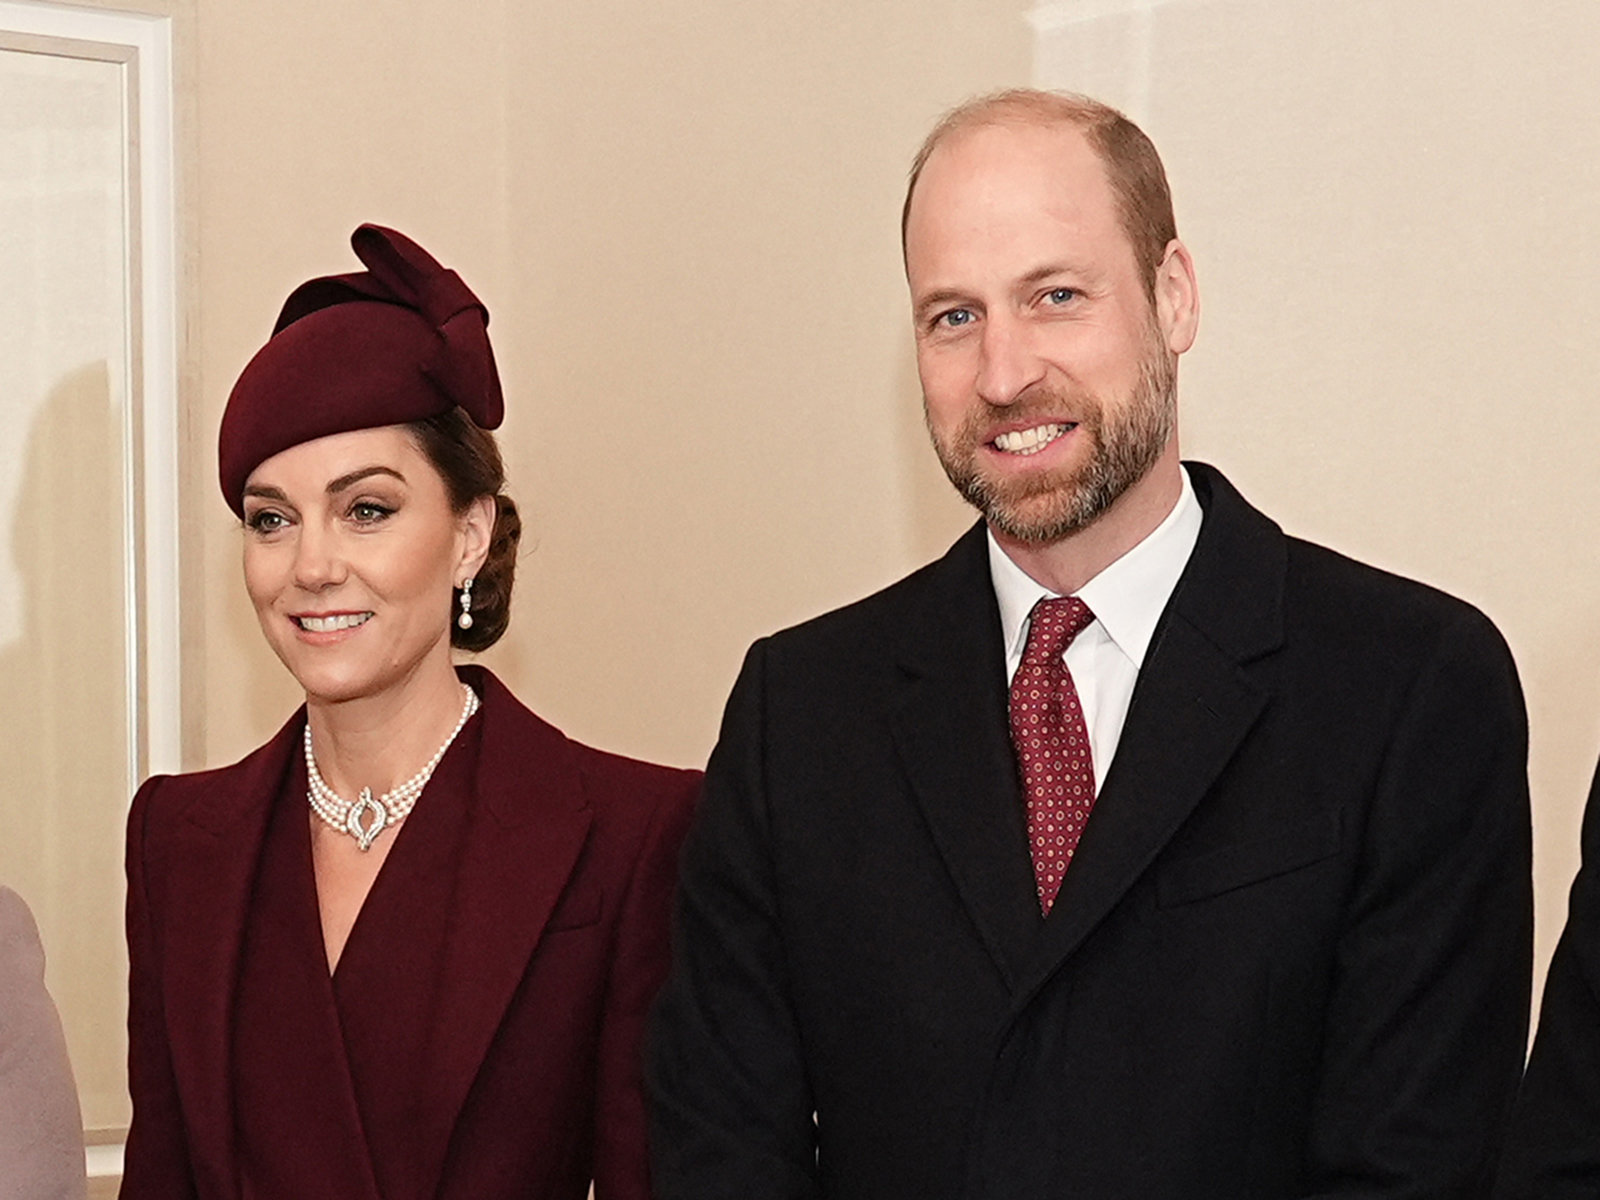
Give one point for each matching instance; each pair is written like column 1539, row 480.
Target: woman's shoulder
column 608, row 779
column 619, row 780
column 633, row 772
column 261, row 768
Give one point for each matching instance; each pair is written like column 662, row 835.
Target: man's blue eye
column 1060, row 295
column 956, row 317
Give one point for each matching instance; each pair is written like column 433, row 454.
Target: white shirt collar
column 1127, row 598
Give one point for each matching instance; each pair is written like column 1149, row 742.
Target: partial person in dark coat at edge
column 1290, row 955
column 334, row 994
column 1553, row 1149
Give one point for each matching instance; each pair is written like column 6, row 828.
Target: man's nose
column 1008, row 364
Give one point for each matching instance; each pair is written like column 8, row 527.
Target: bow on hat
column 402, row 341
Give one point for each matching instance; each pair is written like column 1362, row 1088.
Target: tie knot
column 1052, row 625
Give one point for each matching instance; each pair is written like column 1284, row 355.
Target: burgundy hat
column 401, row 341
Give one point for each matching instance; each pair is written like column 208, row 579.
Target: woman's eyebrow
column 354, row 477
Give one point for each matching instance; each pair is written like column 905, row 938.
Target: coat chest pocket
column 1227, row 868
column 578, row 908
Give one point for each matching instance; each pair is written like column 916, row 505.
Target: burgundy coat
column 555, row 943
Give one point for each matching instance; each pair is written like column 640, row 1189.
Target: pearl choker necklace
column 365, row 818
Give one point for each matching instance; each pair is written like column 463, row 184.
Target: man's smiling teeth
column 1029, row 441
column 329, row 624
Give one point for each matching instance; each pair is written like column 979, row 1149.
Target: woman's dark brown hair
column 468, row 460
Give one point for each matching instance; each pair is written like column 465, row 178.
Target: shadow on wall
column 63, row 722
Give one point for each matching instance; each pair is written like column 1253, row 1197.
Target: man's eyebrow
column 941, row 297
column 1050, row 271
column 338, row 485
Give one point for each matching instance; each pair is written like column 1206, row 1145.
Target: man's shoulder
column 1244, row 561
column 1330, row 591
column 945, row 589
column 1316, row 569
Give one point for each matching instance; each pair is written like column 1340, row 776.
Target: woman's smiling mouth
column 333, row 623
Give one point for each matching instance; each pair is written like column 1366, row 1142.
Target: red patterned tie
column 1052, row 742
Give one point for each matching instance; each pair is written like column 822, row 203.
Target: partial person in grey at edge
column 1133, row 849
column 41, row 1126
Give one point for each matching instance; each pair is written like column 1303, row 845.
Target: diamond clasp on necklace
column 365, row 836
column 394, row 805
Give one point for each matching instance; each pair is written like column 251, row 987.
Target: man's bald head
column 1144, row 203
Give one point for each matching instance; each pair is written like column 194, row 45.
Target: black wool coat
column 1553, row 1149
column 1291, row 958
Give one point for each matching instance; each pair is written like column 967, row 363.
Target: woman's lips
column 331, row 623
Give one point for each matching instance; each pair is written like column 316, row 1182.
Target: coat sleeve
column 731, row 1106
column 1553, row 1147
column 1427, row 1022
column 41, row 1131
column 639, row 964
column 156, row 1164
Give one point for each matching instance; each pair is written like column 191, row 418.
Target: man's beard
column 1124, row 444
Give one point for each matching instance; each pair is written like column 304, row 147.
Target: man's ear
column 1177, row 298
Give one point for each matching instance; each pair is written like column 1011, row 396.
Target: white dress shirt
column 1127, row 599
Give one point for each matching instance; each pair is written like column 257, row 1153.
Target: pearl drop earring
column 465, row 619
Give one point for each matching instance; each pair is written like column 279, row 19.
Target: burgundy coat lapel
column 528, row 824
column 211, row 868
column 292, row 1088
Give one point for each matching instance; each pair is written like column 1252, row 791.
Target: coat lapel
column 954, row 745
column 216, row 846
column 1193, row 705
column 529, row 823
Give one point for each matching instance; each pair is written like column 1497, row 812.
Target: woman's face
column 350, row 555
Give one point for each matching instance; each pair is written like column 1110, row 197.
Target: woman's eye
column 265, row 521
column 365, row 512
